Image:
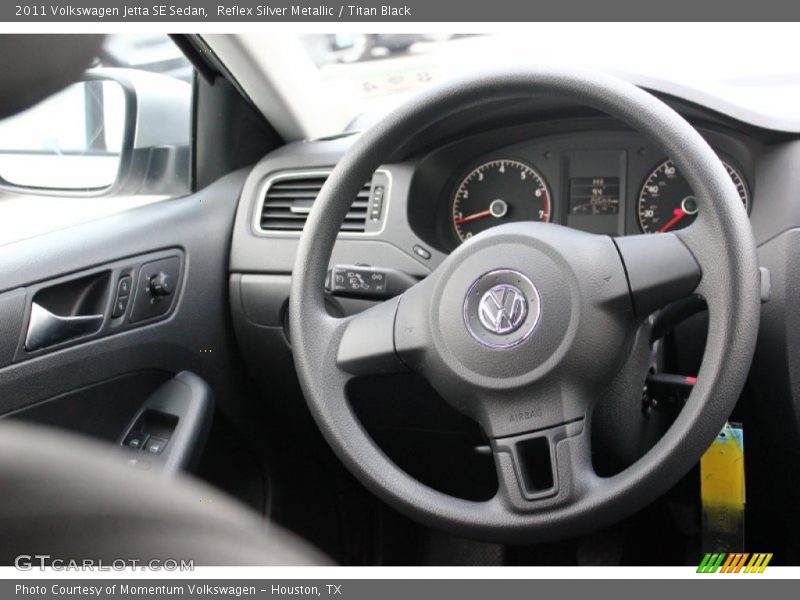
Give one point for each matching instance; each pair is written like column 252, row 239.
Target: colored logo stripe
column 711, row 563
column 733, row 563
column 758, row 563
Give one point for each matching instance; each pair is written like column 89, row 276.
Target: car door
column 114, row 320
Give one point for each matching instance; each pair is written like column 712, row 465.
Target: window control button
column 155, row 445
column 123, row 295
column 124, row 287
column 135, row 441
column 120, row 306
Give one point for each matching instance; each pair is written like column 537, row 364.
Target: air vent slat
column 271, row 215
column 296, row 184
column 288, row 200
column 283, row 226
column 292, row 194
column 277, row 214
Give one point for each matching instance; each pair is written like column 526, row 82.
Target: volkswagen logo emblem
column 503, row 309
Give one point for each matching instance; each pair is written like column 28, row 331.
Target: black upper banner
column 409, row 11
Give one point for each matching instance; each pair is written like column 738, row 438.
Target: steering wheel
column 524, row 326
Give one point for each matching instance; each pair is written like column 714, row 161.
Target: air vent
column 288, row 200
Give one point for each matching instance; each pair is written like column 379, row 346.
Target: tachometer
column 667, row 203
column 500, row 191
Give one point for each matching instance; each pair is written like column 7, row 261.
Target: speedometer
column 500, row 191
column 667, row 203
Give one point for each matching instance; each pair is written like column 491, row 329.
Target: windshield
column 375, row 71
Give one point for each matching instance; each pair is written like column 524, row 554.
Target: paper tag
column 722, row 491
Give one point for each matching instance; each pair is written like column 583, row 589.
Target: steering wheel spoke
column 367, row 345
column 542, row 469
column 660, row 270
column 388, row 337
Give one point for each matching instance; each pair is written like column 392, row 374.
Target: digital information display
column 594, row 196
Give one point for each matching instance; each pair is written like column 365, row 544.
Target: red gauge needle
column 679, row 214
column 473, row 217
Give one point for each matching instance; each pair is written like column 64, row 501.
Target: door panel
column 101, row 410
column 193, row 335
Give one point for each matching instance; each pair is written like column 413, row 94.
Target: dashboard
column 585, row 171
column 547, row 162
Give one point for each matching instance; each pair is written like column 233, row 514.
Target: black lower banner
column 387, row 589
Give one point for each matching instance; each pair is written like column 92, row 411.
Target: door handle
column 47, row 329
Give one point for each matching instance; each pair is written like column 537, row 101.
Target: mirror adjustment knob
column 157, row 288
column 160, row 284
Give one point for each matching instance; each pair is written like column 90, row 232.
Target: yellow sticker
column 722, row 491
column 722, row 470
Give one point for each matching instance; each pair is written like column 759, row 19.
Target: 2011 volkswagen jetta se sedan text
column 281, row 299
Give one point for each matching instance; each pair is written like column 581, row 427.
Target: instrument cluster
column 606, row 182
